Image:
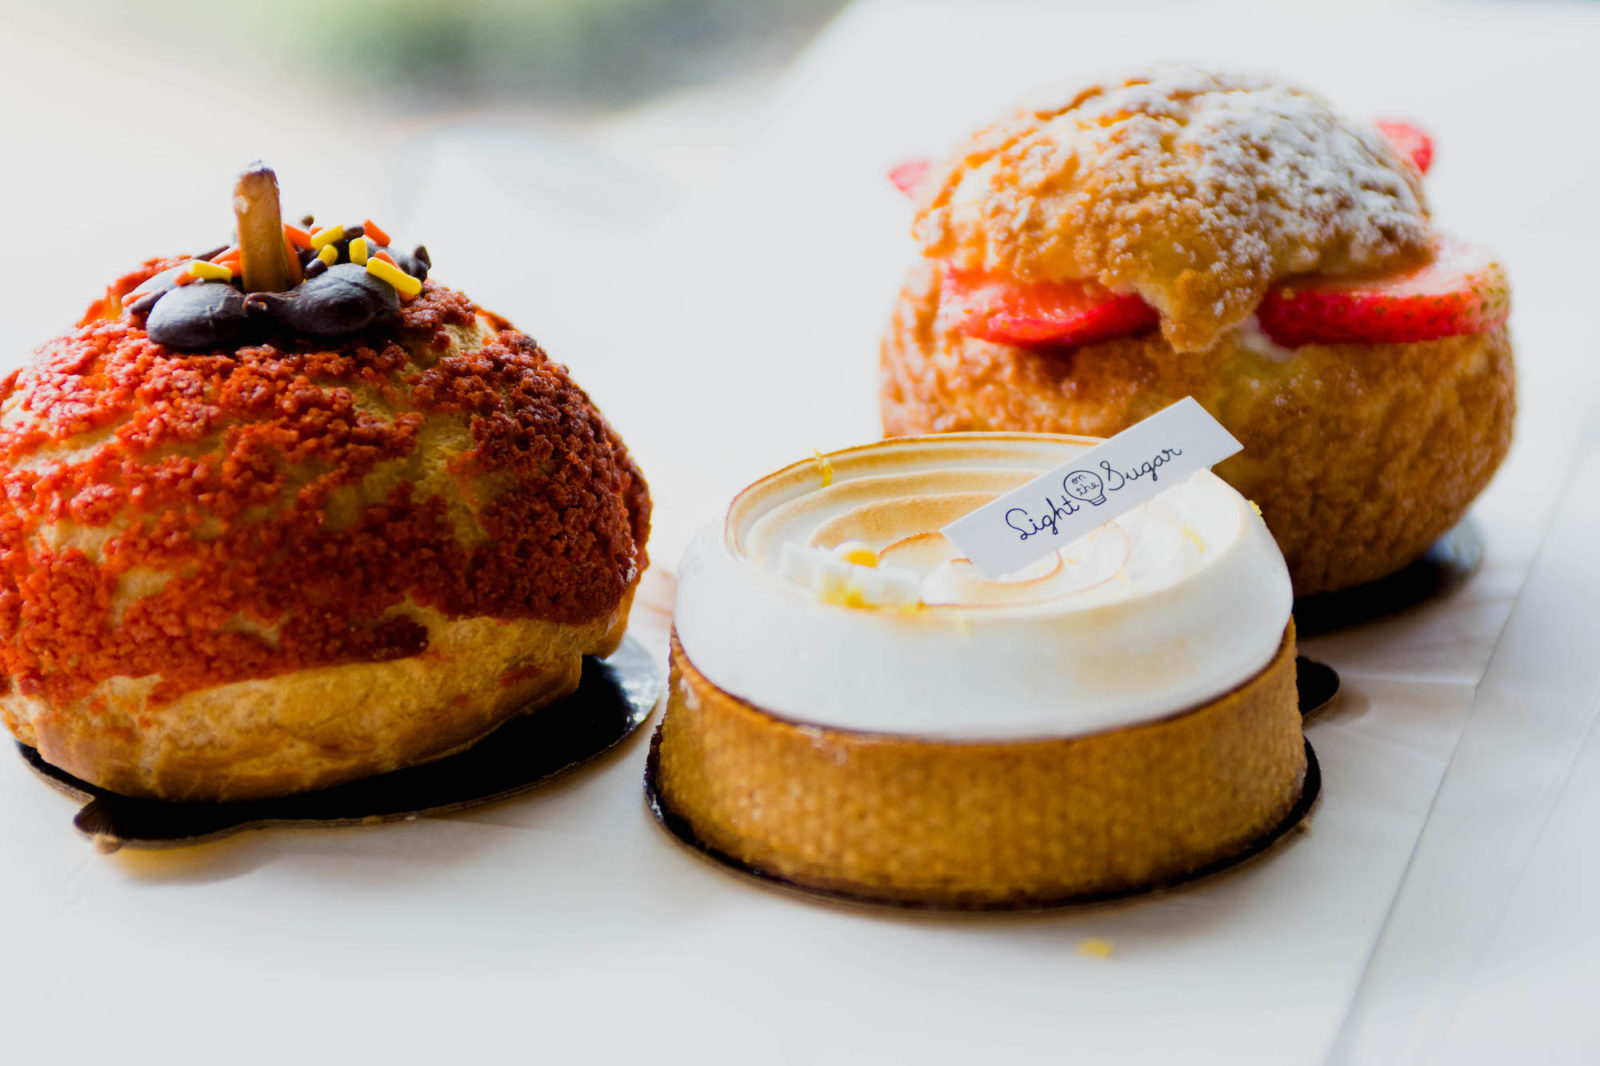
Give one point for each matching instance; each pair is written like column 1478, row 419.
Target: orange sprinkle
column 297, row 236
column 375, row 231
column 387, row 258
column 183, row 278
column 226, row 253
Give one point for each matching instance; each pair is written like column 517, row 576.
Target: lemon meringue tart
column 855, row 709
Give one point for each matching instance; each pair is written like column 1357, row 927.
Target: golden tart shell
column 961, row 823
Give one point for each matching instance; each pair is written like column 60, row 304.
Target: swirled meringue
column 828, row 596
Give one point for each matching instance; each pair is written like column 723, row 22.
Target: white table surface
column 1438, row 904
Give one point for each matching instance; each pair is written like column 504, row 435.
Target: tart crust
column 920, row 820
column 1359, row 455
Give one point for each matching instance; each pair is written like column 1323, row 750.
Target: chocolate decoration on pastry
column 140, row 307
column 278, row 281
column 198, row 317
column 341, row 301
column 420, row 259
column 157, row 286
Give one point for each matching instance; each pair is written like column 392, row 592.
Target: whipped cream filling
column 1252, row 338
column 829, row 596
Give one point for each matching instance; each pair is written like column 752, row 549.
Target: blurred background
column 133, row 106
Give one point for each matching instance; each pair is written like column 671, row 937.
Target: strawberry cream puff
column 1177, row 233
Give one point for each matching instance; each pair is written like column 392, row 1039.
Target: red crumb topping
column 110, row 305
column 216, row 471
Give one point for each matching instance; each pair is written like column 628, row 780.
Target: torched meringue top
column 829, row 596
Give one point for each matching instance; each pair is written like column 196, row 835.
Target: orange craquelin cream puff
column 1091, row 261
column 854, row 708
column 252, row 551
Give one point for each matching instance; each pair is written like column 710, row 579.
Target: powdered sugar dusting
column 1194, row 189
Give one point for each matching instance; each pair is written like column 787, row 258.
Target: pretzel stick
column 266, row 262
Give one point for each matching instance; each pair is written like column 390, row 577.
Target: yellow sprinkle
column 358, row 251
column 324, row 237
column 209, row 271
column 329, row 254
column 1194, row 536
column 846, row 595
column 855, row 551
column 1100, row 949
column 824, row 467
column 402, row 281
column 1254, row 506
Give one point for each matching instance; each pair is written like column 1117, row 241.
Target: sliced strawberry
column 1408, row 143
column 1039, row 313
column 908, row 175
column 1463, row 290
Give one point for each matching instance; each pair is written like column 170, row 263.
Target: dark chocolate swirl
column 332, row 303
column 198, row 316
column 339, row 302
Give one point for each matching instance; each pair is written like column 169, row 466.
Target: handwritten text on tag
column 1083, row 494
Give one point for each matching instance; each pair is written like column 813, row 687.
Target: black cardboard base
column 614, row 697
column 1317, row 688
column 1442, row 569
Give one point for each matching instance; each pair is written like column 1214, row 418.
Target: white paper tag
column 1056, row 509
